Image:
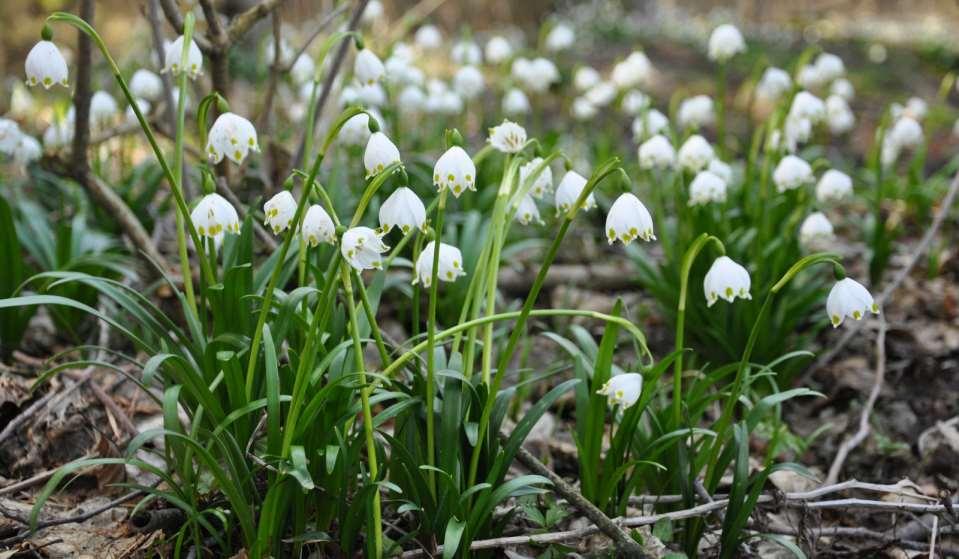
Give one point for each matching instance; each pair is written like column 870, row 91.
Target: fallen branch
column 75, row 519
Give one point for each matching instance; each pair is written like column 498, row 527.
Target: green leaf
column 451, row 541
column 301, row 470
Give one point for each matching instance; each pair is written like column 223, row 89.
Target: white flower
column 428, row 37
column 363, row 247
column 279, row 211
column 508, row 137
column 582, row 109
column 411, row 100
column 367, row 68
column 805, row 105
column 468, row 82
column 623, row 389
column 543, row 183
column 194, row 58
column 56, row 136
column 568, row 192
column 634, row 102
column 725, row 43
column 635, row 71
column 286, row 52
column 213, row 216
column 131, row 117
column 648, row 124
column 356, row 130
column 774, row 84
column 829, row 67
column 46, row 66
column 372, row 12
column 515, row 102
column 628, row 219
column 585, row 78
column 796, row 131
column 815, row 231
column 839, row 115
column 466, row 53
column 601, row 94
column 843, row 88
column 498, row 50
column 695, row 112
column 695, row 153
column 455, row 170
column 906, row 132
column 146, row 85
column 792, row 172
column 9, row 135
column 103, row 108
column 915, row 108
column 303, row 70
column 28, row 150
column 232, row 136
column 834, row 185
column 721, row 170
column 657, row 153
column 317, row 226
column 371, row 95
column 22, row 104
column 560, row 37
column 809, row 77
column 380, row 153
column 706, row 187
column 535, row 75
column 402, row 209
column 450, row 264
column 727, row 280
column 527, row 212
column 849, row 298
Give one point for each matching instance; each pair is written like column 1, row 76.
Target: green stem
column 431, row 342
column 185, row 269
column 721, row 110
column 371, row 319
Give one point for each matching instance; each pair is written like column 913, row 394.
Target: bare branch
column 243, row 22
column 172, row 13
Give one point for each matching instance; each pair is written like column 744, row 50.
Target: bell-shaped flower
column 807, row 106
column 279, row 211
column 560, row 38
column 146, row 85
column 515, row 102
column 232, row 136
column 833, row 185
column 10, row 135
column 623, row 389
column 28, row 150
column 213, row 216
column 695, row 153
column 194, row 58
column 721, row 170
column 726, row 280
column 695, row 112
column 657, row 153
column 411, row 101
column 569, row 190
column 774, row 83
column 498, row 50
column 583, row 110
column 428, row 37
column 380, row 153
column 466, row 52
column 450, row 264
column 356, row 130
column 725, row 42
column 303, row 70
column 601, row 94
column 849, row 298
column 58, row 135
column 367, row 68
column 468, row 82
column 103, row 109
column 792, row 172
column 585, row 78
column 527, row 212
column 543, row 183
column 838, row 115
column 455, row 170
column 628, row 219
column 535, row 75
column 402, row 209
column 829, row 67
column 843, row 88
column 46, row 66
column 508, row 137
column 363, row 248
column 816, row 232
column 130, row 115
column 634, row 71
column 635, row 102
column 649, row 124
column 707, row 187
column 317, row 226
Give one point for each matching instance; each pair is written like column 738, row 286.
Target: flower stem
column 431, row 342
column 185, row 268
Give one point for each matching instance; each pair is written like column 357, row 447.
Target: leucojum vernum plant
column 337, row 367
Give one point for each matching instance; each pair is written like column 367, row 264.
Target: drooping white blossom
column 726, row 280
column 194, row 58
column 468, row 82
column 231, row 136
column 543, row 183
column 569, row 190
column 507, row 137
column 402, row 209
column 833, row 185
column 279, row 211
column 144, row 84
column 725, row 42
column 46, row 66
column 648, row 124
column 696, row 112
column 367, row 67
column 792, row 172
column 363, row 248
column 706, row 187
column 628, row 219
column 380, row 153
column 774, row 83
column 450, row 265
column 498, row 50
column 560, row 37
column 695, row 153
column 317, row 226
column 848, row 298
column 816, row 232
column 657, row 153
column 634, row 71
column 455, row 170
column 623, row 389
column 515, row 102
column 213, row 216
column 527, row 212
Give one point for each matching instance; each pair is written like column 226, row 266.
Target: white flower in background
column 279, row 211
column 508, row 137
column 57, row 135
column 560, row 37
column 601, row 94
column 527, row 212
column 103, row 109
column 455, row 170
column 726, row 280
column 696, row 112
column 380, row 153
column 628, row 219
column 796, row 130
column 809, row 77
column 535, row 75
column 402, row 209
column 466, row 53
column 232, row 136
column 303, row 70
column 317, row 226
column 543, row 183
column 648, row 124
column 915, row 109
column 829, row 67
column 468, row 82
column 905, row 133
column 833, row 185
column 146, row 85
column 428, row 37
column 445, row 103
column 721, row 170
column 792, row 172
column 515, row 102
column 131, row 117
column 450, row 265
column 805, row 105
column 498, row 50
column 774, row 84
column 356, row 130
column 372, row 95
column 367, row 68
column 838, row 115
column 849, row 298
column 706, row 187
column 582, row 109
column 411, row 100
column 725, row 42
column 623, row 389
column 634, row 102
column 635, row 71
column 816, row 232
column 46, row 66
column 286, row 52
column 657, row 153
column 349, row 95
column 213, row 216
column 22, row 104
column 399, row 71
column 28, row 150
column 194, row 58
column 695, row 153
column 585, row 78
column 568, row 192
column 363, row 248
column 9, row 135
column 373, row 12
column 843, row 88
